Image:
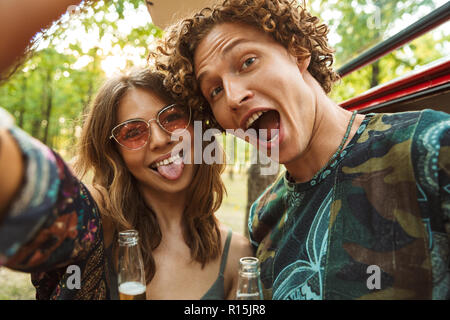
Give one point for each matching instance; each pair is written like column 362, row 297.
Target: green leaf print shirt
column 384, row 202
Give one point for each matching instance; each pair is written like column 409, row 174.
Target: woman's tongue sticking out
column 172, row 171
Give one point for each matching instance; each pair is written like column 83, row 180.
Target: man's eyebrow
column 231, row 45
column 225, row 50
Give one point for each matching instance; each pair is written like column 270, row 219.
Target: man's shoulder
column 398, row 141
column 431, row 116
column 394, row 128
column 430, row 149
column 432, row 126
column 408, row 118
column 417, row 138
column 426, row 128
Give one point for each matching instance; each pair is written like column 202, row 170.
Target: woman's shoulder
column 239, row 245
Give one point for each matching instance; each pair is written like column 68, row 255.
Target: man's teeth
column 166, row 161
column 253, row 118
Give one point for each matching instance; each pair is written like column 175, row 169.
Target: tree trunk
column 90, row 92
column 256, row 184
column 23, row 101
column 374, row 81
column 36, row 122
column 48, row 110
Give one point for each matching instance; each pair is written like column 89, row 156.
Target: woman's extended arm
column 11, row 170
column 50, row 219
column 20, row 20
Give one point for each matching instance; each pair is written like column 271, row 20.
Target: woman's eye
column 215, row 91
column 172, row 117
column 248, row 62
column 132, row 133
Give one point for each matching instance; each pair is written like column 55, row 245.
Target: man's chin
column 287, row 157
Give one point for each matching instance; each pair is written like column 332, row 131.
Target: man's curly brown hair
column 301, row 33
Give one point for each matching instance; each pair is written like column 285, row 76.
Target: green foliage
column 50, row 93
column 359, row 24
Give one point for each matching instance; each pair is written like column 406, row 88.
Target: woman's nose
column 158, row 137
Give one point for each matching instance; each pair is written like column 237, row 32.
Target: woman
column 141, row 181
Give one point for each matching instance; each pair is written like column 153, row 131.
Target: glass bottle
column 249, row 284
column 131, row 275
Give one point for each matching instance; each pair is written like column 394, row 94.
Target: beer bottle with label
column 131, row 275
column 249, row 284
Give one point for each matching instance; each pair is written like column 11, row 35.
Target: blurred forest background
column 51, row 91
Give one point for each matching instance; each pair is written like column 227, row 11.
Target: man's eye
column 215, row 91
column 248, row 62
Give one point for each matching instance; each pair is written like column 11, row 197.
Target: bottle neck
column 249, row 266
column 131, row 267
column 249, row 283
column 128, row 238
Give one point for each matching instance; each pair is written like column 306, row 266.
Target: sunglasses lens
column 175, row 118
column 132, row 135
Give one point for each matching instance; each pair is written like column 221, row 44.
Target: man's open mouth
column 265, row 123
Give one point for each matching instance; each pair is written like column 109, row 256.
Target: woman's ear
column 303, row 64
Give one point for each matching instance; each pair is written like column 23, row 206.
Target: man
column 362, row 209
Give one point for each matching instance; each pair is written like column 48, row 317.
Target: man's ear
column 303, row 64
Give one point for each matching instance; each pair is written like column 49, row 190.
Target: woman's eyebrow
column 131, row 119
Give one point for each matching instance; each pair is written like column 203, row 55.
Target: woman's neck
column 168, row 208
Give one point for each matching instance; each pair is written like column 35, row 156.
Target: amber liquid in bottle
column 132, row 291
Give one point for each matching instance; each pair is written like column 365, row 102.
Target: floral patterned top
column 52, row 224
column 384, row 203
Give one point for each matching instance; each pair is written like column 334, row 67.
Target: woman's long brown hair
column 123, row 203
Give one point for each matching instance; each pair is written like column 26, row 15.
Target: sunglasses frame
column 148, row 125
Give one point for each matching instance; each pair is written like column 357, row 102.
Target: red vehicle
column 427, row 87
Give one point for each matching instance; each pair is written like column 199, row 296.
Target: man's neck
column 330, row 126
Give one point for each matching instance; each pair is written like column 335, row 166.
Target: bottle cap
column 249, row 265
column 128, row 237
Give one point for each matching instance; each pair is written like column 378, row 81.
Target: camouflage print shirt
column 373, row 225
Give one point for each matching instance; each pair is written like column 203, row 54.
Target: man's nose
column 236, row 93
